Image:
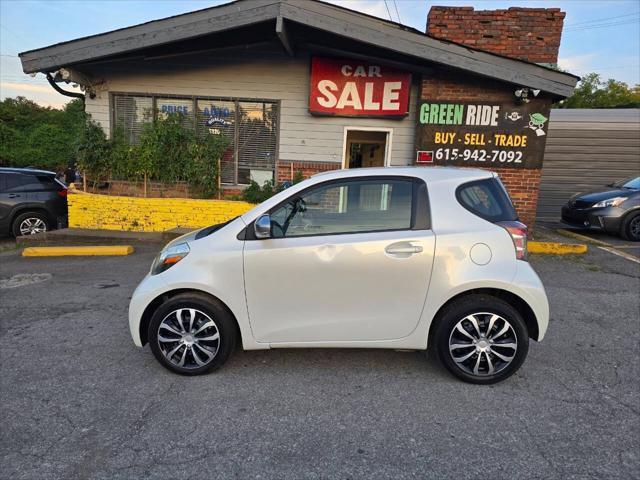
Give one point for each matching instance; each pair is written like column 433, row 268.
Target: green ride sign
column 485, row 134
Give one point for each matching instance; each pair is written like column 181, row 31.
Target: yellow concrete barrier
column 555, row 248
column 77, row 251
column 136, row 214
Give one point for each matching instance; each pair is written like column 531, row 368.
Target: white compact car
column 400, row 258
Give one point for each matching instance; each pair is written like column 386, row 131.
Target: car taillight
column 518, row 232
column 63, row 192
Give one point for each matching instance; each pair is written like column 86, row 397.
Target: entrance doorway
column 366, row 148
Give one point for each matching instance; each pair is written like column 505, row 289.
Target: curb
column 81, row 236
column 77, row 251
column 555, row 248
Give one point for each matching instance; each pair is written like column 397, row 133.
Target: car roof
column 428, row 174
column 27, row 171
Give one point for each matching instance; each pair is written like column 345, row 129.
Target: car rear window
column 487, row 199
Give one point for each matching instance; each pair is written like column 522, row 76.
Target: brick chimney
column 531, row 34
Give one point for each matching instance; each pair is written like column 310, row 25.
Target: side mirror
column 262, row 226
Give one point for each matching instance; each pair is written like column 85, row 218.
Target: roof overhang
column 354, row 26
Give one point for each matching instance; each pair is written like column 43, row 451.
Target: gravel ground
column 79, row 401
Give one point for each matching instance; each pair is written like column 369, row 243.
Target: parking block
column 555, row 248
column 77, row 251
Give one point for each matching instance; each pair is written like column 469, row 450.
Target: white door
column 349, row 260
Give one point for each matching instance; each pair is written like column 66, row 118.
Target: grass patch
column 8, row 247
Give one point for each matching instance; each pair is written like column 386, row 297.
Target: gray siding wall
column 587, row 149
column 302, row 137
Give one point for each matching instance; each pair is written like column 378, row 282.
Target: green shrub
column 94, row 151
column 167, row 151
column 255, row 193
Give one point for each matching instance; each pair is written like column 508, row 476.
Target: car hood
column 198, row 234
column 595, row 196
column 186, row 238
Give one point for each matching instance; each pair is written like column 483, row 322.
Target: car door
column 11, row 195
column 348, row 260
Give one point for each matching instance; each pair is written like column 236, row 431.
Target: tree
column 35, row 136
column 593, row 92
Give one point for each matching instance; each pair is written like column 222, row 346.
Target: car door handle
column 403, row 248
column 13, row 195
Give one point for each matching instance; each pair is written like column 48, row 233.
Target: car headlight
column 169, row 257
column 610, row 202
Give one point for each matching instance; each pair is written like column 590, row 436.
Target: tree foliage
column 593, row 92
column 167, row 150
column 36, row 136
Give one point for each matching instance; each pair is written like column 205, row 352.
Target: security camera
column 522, row 95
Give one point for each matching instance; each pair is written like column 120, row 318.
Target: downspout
column 61, row 91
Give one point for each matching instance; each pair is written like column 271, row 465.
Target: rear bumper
column 607, row 219
column 532, row 291
column 62, row 222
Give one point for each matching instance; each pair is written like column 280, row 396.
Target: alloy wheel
column 483, row 344
column 188, row 338
column 32, row 225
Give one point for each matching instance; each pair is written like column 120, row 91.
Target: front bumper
column 149, row 289
column 607, row 218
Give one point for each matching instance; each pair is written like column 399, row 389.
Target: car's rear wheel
column 29, row 223
column 631, row 227
column 481, row 339
column 192, row 334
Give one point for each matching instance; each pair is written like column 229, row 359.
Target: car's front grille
column 580, row 204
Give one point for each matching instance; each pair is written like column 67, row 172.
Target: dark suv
column 31, row 201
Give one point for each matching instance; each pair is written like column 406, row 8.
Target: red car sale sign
column 353, row 88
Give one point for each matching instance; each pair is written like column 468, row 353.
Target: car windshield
column 632, row 183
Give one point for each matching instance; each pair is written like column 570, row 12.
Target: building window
column 249, row 125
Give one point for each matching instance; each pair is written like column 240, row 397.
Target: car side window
column 15, row 182
column 346, row 207
column 18, row 182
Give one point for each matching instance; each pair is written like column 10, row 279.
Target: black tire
column 630, row 229
column 34, row 216
column 204, row 306
column 482, row 307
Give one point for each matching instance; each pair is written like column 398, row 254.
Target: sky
column 601, row 36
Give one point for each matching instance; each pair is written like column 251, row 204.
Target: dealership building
column 306, row 86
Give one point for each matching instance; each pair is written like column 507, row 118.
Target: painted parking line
column 626, row 255
column 602, row 245
column 584, row 238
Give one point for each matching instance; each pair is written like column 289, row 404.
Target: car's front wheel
column 631, row 227
column 29, row 223
column 192, row 334
column 481, row 339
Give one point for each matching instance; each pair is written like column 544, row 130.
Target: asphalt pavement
column 80, row 401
